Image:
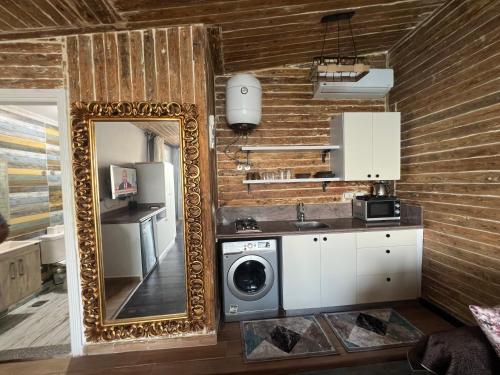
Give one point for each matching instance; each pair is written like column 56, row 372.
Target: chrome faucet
column 301, row 216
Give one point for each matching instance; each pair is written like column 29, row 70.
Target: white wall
column 119, row 143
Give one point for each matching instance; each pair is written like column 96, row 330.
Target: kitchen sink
column 310, row 225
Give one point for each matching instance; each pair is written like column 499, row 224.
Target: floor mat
column 372, row 329
column 272, row 339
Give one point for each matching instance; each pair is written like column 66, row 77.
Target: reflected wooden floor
column 224, row 358
column 164, row 291
column 118, row 290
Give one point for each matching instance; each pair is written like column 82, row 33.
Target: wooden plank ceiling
column 169, row 130
column 256, row 33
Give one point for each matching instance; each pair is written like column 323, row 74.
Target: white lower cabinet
column 300, row 272
column 338, row 269
column 385, row 260
column 387, row 287
column 388, row 265
column 381, row 238
column 318, row 270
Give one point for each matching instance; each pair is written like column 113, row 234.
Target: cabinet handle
column 377, row 175
column 12, row 270
column 20, row 267
column 388, row 279
column 388, row 235
column 325, row 239
column 315, row 239
column 369, row 175
column 388, row 251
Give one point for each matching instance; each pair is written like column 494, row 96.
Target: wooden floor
column 224, row 358
column 38, row 328
column 164, row 290
column 44, row 325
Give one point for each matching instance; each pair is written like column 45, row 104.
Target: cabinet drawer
column 388, row 287
column 386, row 260
column 387, row 238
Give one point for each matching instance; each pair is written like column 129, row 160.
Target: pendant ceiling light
column 339, row 68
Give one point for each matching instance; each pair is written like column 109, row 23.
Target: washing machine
column 250, row 278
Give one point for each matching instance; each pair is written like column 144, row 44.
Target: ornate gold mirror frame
column 86, row 201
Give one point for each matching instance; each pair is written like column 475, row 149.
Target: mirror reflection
column 141, row 218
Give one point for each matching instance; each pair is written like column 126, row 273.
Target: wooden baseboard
column 442, row 313
column 208, row 339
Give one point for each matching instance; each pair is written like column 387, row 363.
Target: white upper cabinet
column 369, row 146
column 387, row 145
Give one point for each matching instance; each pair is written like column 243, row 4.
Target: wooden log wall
column 36, row 63
column 289, row 116
column 167, row 64
column 447, row 78
column 153, row 64
column 30, row 148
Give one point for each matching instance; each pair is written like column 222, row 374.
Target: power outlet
column 348, row 195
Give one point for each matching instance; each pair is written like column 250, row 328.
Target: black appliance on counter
column 247, row 225
column 376, row 208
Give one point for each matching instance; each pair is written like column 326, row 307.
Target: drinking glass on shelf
column 281, row 174
column 284, row 174
column 267, row 175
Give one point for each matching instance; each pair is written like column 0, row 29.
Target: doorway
column 39, row 255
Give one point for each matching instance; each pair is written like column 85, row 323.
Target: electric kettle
column 381, row 189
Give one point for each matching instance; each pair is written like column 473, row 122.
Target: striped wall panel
column 4, row 189
column 30, row 150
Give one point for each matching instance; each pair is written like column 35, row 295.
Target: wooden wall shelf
column 325, row 149
column 292, row 180
column 324, row 181
column 290, row 148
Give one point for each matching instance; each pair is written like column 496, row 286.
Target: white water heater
column 243, row 102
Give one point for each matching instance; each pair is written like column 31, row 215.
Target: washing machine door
column 250, row 278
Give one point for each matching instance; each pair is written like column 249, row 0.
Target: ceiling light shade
column 338, row 68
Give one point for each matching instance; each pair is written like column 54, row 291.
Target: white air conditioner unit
column 375, row 85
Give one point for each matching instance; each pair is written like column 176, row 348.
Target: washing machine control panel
column 241, row 246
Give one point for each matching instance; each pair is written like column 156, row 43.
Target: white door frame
column 59, row 97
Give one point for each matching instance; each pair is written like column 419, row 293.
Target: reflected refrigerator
column 155, row 185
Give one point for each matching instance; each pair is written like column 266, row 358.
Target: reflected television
column 123, row 181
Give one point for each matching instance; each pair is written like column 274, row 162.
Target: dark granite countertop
column 126, row 216
column 284, row 227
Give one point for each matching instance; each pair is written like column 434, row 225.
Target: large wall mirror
column 136, row 175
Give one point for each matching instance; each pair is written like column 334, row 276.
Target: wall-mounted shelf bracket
column 323, row 155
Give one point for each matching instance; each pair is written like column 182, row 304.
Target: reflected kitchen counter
column 287, row 227
column 136, row 215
